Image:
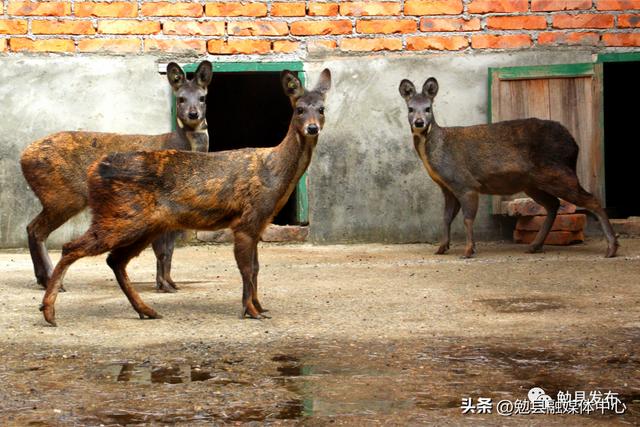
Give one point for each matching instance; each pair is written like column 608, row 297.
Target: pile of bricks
column 291, row 27
column 568, row 227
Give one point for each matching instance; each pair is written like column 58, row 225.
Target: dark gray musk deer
column 56, row 168
column 135, row 197
column 531, row 155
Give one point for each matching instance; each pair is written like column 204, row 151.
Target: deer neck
column 197, row 138
column 293, row 155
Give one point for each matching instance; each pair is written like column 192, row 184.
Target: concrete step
column 273, row 233
column 627, row 227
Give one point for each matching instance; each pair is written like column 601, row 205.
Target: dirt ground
column 359, row 335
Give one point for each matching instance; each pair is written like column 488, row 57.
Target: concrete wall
column 366, row 182
column 43, row 95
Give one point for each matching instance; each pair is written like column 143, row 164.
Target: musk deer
column 531, row 155
column 135, row 197
column 56, row 168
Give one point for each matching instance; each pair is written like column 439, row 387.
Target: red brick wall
column 298, row 27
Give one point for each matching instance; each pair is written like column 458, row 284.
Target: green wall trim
column 544, row 71
column 619, row 57
column 301, row 194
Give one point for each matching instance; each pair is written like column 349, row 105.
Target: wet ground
column 360, row 335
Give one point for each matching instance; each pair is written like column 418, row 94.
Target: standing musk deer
column 531, row 155
column 56, row 168
column 135, row 197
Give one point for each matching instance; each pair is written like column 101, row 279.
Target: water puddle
column 161, row 374
column 522, row 305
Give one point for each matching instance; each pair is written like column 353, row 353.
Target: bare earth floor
column 360, row 335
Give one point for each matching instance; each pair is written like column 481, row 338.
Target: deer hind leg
column 551, row 204
column 568, row 187
column 163, row 248
column 245, row 245
column 451, row 209
column 469, row 203
column 118, row 260
column 37, row 231
column 85, row 245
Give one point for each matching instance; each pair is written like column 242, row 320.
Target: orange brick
column 41, row 45
column 628, row 21
column 120, row 9
column 39, row 8
column 3, row 45
column 128, row 26
column 236, row 9
column 517, row 22
column 193, row 28
column 437, row 43
column 239, row 46
column 285, row 46
column 573, row 222
column 323, row 9
column 312, row 28
column 175, row 46
column 510, row 41
column 370, row 45
column 131, row 45
column 489, row 6
column 257, row 28
column 386, row 26
column 528, row 207
column 617, row 4
column 586, row 20
column 369, row 8
column 621, row 39
column 321, row 45
column 556, row 238
column 432, row 7
column 13, row 26
column 449, row 24
column 163, row 8
column 288, row 9
column 573, row 39
column 550, row 5
column 62, row 27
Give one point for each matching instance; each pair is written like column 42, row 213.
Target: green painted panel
column 619, row 57
column 545, row 71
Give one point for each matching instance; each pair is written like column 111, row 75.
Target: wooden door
column 570, row 94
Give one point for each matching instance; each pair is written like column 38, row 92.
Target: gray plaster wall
column 366, row 183
column 46, row 94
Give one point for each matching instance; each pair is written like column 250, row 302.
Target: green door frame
column 301, row 194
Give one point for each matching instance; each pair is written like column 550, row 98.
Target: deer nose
column 313, row 129
column 419, row 123
column 193, row 115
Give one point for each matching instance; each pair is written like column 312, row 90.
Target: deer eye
column 410, row 110
column 181, row 100
column 202, row 99
column 427, row 110
column 300, row 111
column 321, row 110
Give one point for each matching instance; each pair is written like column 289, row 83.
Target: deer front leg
column 163, row 247
column 256, row 269
column 244, row 247
column 451, row 209
column 469, row 203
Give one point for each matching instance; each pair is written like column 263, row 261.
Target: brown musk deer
column 531, row 155
column 135, row 197
column 56, row 168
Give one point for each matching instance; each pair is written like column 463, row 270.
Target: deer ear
column 204, row 73
column 291, row 84
column 324, row 82
column 175, row 75
column 430, row 87
column 407, row 89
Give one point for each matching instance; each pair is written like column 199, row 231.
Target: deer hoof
column 611, row 251
column 442, row 250
column 165, row 287
column 537, row 249
column 49, row 314
column 149, row 313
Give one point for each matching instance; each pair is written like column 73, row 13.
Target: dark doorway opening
column 249, row 109
column 621, row 92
